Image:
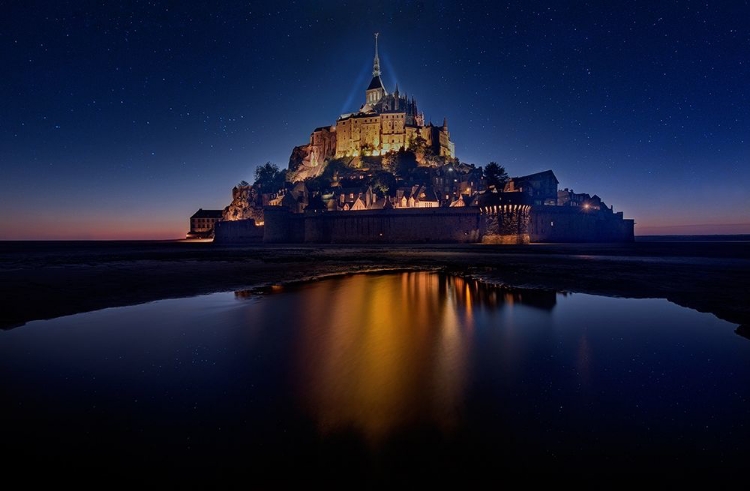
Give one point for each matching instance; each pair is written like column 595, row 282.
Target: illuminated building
column 202, row 223
column 384, row 123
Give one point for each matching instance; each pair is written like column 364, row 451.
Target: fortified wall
column 283, row 226
column 506, row 224
column 419, row 225
column 238, row 232
column 393, row 226
column 575, row 224
column 496, row 224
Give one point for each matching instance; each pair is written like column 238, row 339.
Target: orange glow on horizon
column 670, row 228
column 137, row 228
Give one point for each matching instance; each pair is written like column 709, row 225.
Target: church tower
column 375, row 91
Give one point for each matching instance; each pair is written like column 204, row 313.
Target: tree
column 334, row 168
column 316, row 184
column 406, row 162
column 388, row 161
column 420, row 149
column 495, row 175
column 268, row 178
column 385, row 183
column 366, row 149
column 418, row 145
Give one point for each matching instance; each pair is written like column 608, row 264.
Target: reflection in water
column 375, row 373
column 377, row 355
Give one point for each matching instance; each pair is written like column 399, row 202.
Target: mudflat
column 42, row 280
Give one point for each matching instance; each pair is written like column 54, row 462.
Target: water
column 378, row 375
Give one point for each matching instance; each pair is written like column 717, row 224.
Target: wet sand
column 43, row 280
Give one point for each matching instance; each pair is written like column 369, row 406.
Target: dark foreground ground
column 42, row 280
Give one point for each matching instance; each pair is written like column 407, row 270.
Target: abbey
column 383, row 175
column 384, row 123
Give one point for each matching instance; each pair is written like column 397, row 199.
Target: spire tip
column 376, row 62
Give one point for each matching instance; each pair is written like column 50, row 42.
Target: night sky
column 121, row 119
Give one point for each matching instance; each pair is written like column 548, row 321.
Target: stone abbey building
column 384, row 123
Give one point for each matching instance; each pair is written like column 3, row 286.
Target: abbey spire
column 376, row 90
column 376, row 62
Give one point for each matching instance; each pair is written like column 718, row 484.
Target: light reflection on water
column 451, row 369
column 377, row 354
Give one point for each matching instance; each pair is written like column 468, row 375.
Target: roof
column 316, row 203
column 538, row 175
column 355, row 190
column 376, row 83
column 469, row 200
column 429, row 194
column 201, row 213
column 288, row 200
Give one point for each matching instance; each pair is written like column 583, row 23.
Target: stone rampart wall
column 502, row 224
column 283, row 226
column 394, row 226
column 506, row 224
column 576, row 224
column 238, row 231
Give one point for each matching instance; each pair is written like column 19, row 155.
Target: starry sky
column 121, row 119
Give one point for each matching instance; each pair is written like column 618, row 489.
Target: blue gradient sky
column 121, row 120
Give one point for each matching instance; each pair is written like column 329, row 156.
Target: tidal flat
column 44, row 280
